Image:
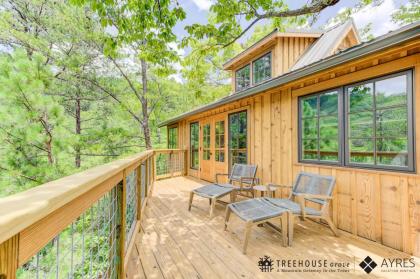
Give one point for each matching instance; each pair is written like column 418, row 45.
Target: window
column 243, row 78
column 377, row 130
column 194, row 137
column 319, row 127
column 206, row 142
column 172, row 137
column 379, row 123
column 220, row 141
column 261, row 68
column 238, row 138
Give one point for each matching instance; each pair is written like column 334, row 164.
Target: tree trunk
column 158, row 135
column 144, row 107
column 77, row 159
column 48, row 143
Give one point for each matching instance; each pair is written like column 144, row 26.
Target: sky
column 197, row 11
column 380, row 17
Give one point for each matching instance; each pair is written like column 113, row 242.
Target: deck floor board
column 175, row 243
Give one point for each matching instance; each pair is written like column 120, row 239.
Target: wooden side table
column 269, row 188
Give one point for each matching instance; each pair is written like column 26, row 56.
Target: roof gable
column 330, row 41
column 391, row 39
column 268, row 41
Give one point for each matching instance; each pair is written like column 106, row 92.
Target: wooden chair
column 243, row 177
column 309, row 187
column 241, row 173
column 258, row 211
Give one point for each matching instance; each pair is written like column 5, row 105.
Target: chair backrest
column 309, row 183
column 242, row 170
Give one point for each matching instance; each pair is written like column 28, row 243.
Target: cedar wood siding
column 383, row 206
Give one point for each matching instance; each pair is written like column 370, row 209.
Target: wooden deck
column 175, row 243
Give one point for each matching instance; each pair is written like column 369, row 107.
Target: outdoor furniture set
column 310, row 187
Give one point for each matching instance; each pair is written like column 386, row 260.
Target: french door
column 207, row 150
column 220, row 145
column 223, row 142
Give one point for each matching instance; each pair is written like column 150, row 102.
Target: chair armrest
column 301, row 201
column 253, row 179
column 313, row 196
column 220, row 174
column 279, row 185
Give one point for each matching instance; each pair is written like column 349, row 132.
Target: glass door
column 220, row 146
column 207, row 146
column 194, row 145
column 238, row 140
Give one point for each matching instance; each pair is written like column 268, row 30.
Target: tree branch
column 315, row 7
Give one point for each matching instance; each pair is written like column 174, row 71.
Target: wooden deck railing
column 80, row 226
column 170, row 163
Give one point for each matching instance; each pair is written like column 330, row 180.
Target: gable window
column 194, row 151
column 377, row 130
column 172, row 137
column 261, row 68
column 243, row 78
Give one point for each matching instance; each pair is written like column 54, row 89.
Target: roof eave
column 403, row 35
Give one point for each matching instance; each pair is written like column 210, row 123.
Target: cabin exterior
column 319, row 102
column 322, row 102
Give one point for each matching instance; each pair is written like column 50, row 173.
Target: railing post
column 146, row 187
column 123, row 208
column 185, row 162
column 171, row 162
column 154, row 165
column 9, row 258
column 151, row 170
column 138, row 185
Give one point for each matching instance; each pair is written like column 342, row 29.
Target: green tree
column 408, row 13
column 31, row 121
column 225, row 27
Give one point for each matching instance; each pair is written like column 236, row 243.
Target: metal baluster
column 58, row 256
column 72, row 250
column 90, row 246
column 37, row 265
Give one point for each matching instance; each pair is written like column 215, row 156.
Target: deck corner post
column 139, row 192
column 185, row 162
column 154, row 166
column 123, row 208
column 9, row 250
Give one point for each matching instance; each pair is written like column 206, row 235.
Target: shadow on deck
column 175, row 243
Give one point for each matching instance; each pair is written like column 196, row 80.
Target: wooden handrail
column 32, row 219
column 169, row 150
column 20, row 211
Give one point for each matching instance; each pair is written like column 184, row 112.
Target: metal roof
column 324, row 46
column 304, row 32
column 394, row 38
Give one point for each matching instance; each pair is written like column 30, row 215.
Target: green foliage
column 346, row 13
column 147, row 23
column 228, row 17
column 408, row 13
column 31, row 121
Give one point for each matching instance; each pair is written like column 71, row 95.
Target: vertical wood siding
column 377, row 205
